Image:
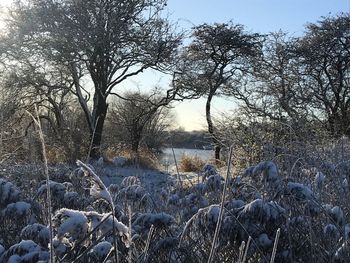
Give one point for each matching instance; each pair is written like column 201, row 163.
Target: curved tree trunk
column 211, row 128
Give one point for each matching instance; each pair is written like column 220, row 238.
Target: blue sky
column 262, row 16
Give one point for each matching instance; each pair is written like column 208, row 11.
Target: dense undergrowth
column 305, row 202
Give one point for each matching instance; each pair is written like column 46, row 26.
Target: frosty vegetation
column 63, row 65
column 175, row 223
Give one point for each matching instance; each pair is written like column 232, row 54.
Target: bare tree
column 273, row 89
column 325, row 60
column 215, row 63
column 110, row 40
column 137, row 117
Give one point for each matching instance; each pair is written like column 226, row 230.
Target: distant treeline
column 191, row 140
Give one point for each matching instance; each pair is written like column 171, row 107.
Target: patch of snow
column 74, row 222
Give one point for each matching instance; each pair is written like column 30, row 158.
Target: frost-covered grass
column 157, row 219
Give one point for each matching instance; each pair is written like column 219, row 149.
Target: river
column 167, row 157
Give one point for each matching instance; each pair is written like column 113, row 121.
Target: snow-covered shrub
column 261, row 211
column 61, row 246
column 72, row 223
column 71, row 227
column 268, row 170
column 208, row 170
column 202, row 224
column 173, row 199
column 19, row 209
column 113, row 189
column 299, row 191
column 264, row 241
column 8, row 193
column 36, row 232
column 213, row 215
column 95, row 184
column 100, row 251
column 146, row 220
column 331, row 231
column 107, row 225
column 25, row 251
column 132, row 192
column 214, row 183
column 57, row 191
column 234, row 204
column 167, row 243
column 200, row 188
column 73, row 200
column 194, row 201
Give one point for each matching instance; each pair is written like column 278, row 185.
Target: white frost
column 74, row 222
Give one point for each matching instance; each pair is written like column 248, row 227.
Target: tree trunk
column 135, row 145
column 99, row 116
column 211, row 129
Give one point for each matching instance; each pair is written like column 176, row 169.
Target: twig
column 108, row 255
column 221, row 213
column 241, row 252
column 78, row 259
column 246, row 249
column 92, row 139
column 274, row 251
column 46, row 170
column 145, row 252
column 177, row 168
column 108, row 199
column 130, row 252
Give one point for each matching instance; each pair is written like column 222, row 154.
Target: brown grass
column 190, row 164
column 144, row 159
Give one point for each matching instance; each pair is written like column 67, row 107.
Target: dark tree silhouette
column 214, row 64
column 324, row 52
column 107, row 40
